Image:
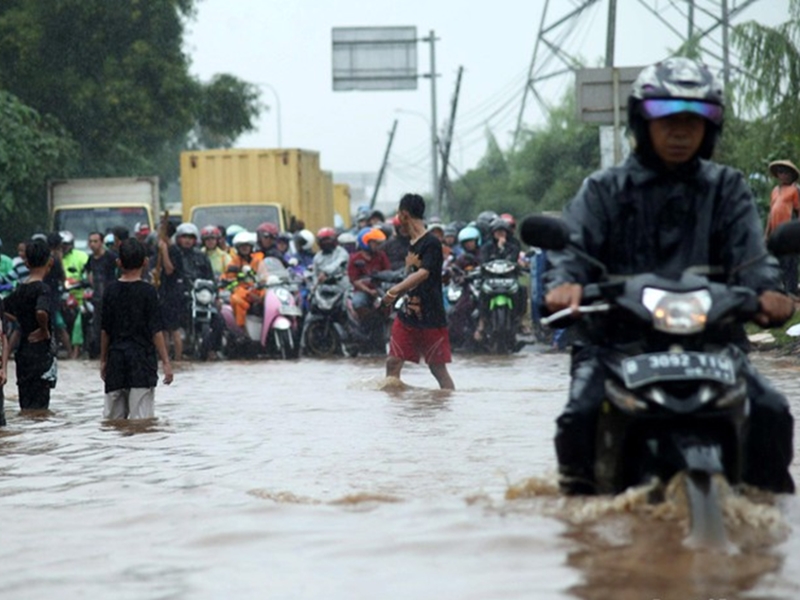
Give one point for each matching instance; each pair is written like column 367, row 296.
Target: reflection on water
column 322, row 479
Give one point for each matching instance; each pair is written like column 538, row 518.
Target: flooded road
column 313, row 479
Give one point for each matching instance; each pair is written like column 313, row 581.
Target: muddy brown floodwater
column 314, row 479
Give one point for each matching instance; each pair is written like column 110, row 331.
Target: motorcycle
column 675, row 401
column 499, row 287
column 203, row 310
column 78, row 310
column 462, row 307
column 325, row 330
column 272, row 326
column 371, row 335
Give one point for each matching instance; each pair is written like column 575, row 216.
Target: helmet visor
column 655, row 108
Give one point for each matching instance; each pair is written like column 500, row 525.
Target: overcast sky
column 287, row 45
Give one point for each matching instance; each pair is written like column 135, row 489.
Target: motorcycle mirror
column 544, row 232
column 785, row 239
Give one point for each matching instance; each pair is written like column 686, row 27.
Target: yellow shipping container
column 341, row 203
column 248, row 187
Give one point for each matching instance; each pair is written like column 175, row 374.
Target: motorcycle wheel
column 202, row 342
column 502, row 334
column 321, row 339
column 283, row 344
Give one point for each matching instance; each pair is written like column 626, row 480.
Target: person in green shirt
column 74, row 262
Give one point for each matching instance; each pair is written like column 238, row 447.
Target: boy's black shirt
column 131, row 318
column 424, row 305
column 103, row 270
column 25, row 301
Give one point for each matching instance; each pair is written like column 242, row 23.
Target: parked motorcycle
column 203, row 311
column 499, row 288
column 371, row 334
column 325, row 328
column 675, row 402
column 77, row 310
column 273, row 326
column 462, row 308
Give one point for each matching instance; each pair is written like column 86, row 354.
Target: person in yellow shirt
column 210, row 236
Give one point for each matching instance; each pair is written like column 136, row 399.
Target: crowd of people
column 657, row 212
column 64, row 302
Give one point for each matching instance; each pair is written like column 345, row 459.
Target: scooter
column 273, row 326
column 325, row 326
column 499, row 287
column 371, row 335
column 462, row 308
column 675, row 401
column 203, row 310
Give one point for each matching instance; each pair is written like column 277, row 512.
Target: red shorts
column 411, row 343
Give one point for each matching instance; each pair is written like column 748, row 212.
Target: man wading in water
column 420, row 328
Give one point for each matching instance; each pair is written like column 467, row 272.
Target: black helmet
column 486, row 217
column 500, row 223
column 672, row 86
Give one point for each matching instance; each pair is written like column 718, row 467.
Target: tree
column 542, row 175
column 33, row 148
column 115, row 75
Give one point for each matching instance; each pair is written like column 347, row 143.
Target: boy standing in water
column 30, row 305
column 130, row 338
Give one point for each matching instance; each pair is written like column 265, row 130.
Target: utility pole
column 726, row 57
column 434, row 133
column 448, row 143
column 611, row 32
column 383, row 165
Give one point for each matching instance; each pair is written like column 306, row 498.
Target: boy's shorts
column 130, row 403
column 411, row 343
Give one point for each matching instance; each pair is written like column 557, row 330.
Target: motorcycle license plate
column 291, row 311
column 675, row 366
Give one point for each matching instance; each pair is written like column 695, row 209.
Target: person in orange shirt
column 241, row 273
column 784, row 206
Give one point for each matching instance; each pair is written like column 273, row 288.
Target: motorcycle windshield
column 272, row 266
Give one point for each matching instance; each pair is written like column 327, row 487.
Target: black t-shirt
column 23, row 303
column 103, row 270
column 424, row 305
column 130, row 318
column 190, row 264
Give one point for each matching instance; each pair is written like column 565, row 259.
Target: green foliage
column 33, row 148
column 542, row 175
column 227, row 108
column 768, row 126
column 115, row 75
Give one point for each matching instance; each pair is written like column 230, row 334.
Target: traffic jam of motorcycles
column 238, row 294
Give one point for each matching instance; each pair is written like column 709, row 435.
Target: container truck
column 341, row 203
column 82, row 206
column 249, row 186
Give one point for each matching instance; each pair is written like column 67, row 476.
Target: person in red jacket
column 367, row 260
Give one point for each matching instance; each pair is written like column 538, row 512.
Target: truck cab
column 82, row 206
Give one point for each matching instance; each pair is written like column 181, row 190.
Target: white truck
column 82, row 206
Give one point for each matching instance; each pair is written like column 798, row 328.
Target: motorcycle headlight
column 453, row 294
column 283, row 295
column 204, row 296
column 499, row 267
column 679, row 313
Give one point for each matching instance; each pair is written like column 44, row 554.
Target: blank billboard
column 374, row 58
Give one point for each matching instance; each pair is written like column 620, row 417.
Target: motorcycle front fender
column 501, row 300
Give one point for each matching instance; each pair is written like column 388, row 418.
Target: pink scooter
column 275, row 328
